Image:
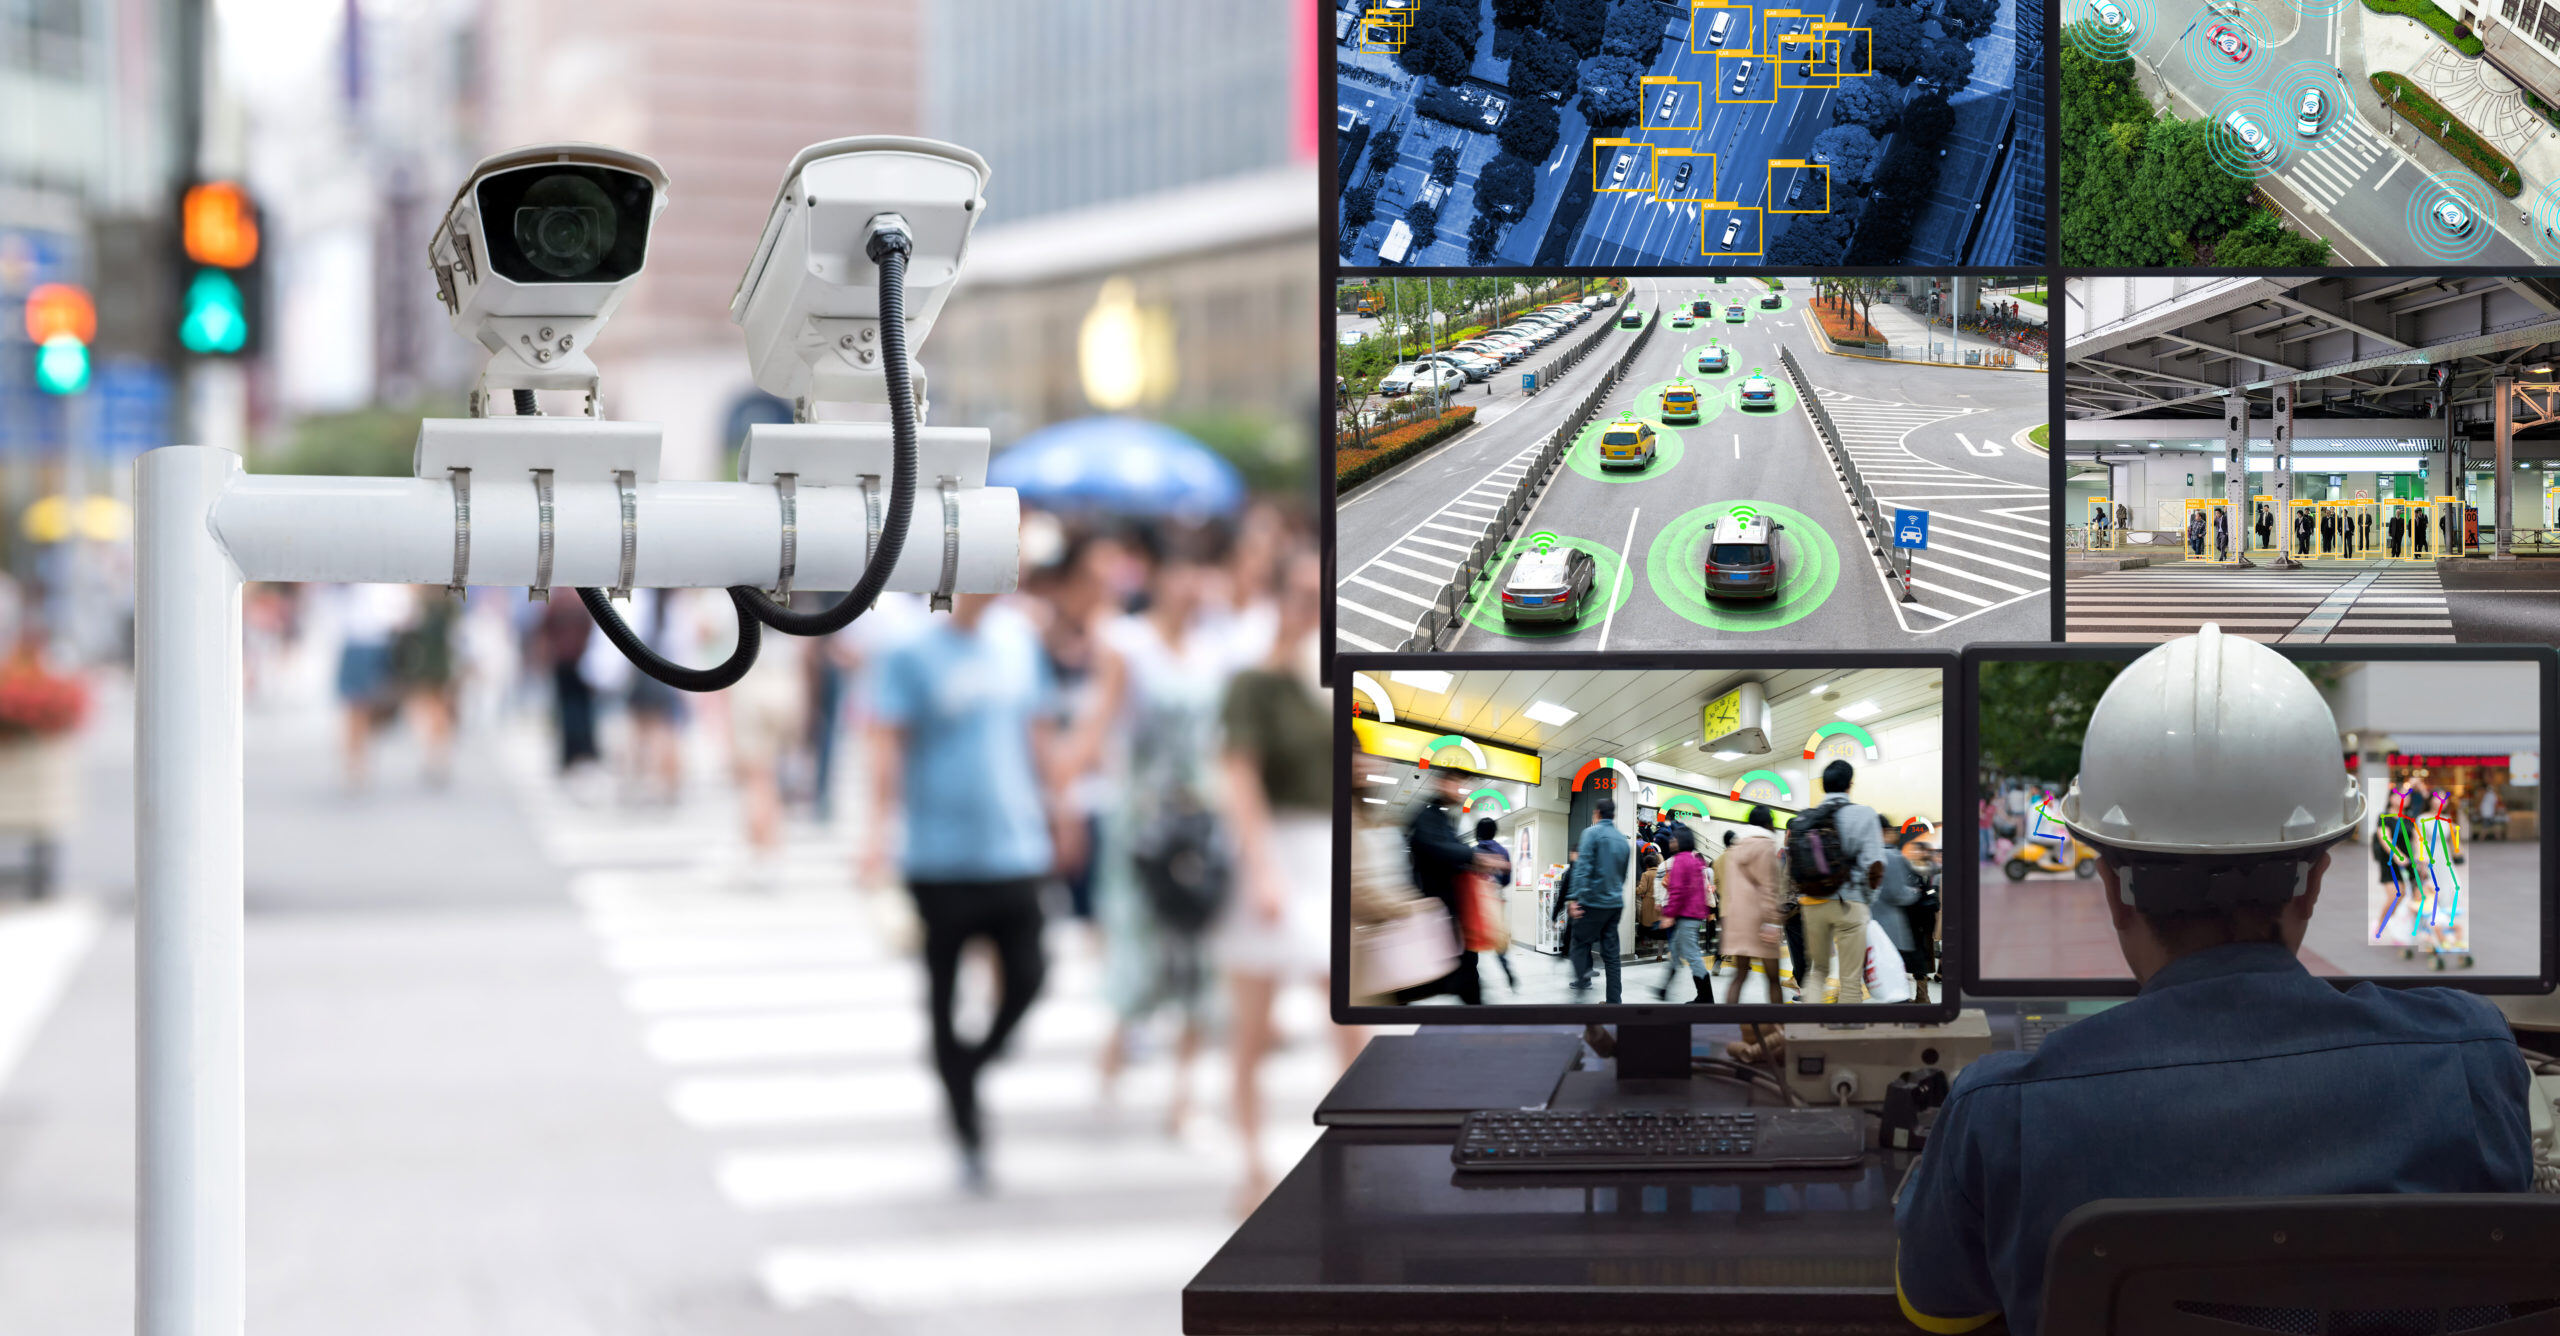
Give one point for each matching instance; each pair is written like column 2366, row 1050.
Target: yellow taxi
column 1626, row 445
column 1680, row 403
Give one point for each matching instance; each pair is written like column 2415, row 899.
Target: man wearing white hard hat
column 2212, row 785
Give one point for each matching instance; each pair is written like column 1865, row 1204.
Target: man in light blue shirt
column 1598, row 898
column 961, row 734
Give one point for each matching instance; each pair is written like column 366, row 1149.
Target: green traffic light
column 216, row 319
column 62, row 365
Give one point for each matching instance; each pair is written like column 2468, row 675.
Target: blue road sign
column 1528, row 382
column 1911, row 528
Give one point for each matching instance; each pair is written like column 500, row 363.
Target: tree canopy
column 1851, row 152
column 1815, row 239
column 2140, row 189
column 1928, row 119
column 1530, row 130
column 1506, row 186
column 1610, row 94
column 1634, row 29
column 1578, row 23
column 1541, row 65
column 1441, row 44
column 2032, row 716
column 1873, row 102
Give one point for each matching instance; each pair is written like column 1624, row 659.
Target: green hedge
column 1352, row 467
column 2462, row 142
column 2437, row 21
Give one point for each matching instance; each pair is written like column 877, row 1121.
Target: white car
column 2253, row 140
column 1398, row 380
column 1732, row 229
column 1467, row 365
column 1670, row 99
column 1626, row 161
column 2452, row 217
column 1741, row 77
column 2307, row 119
column 1596, row 300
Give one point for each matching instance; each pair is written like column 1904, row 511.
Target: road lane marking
column 1628, row 547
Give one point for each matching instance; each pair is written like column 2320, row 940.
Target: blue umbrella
column 1123, row 465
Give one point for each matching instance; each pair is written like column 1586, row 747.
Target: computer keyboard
column 2033, row 1029
column 1660, row 1139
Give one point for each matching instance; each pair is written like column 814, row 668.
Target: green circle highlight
column 1584, row 454
column 1777, row 376
column 1484, row 611
column 1689, row 364
column 1676, row 568
column 1712, row 400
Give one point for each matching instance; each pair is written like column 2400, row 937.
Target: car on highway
column 1741, row 77
column 1712, row 358
column 1770, row 300
column 2307, row 118
column 2110, row 16
column 1759, row 392
column 1670, row 99
column 2253, row 141
column 1681, row 319
column 1732, row 229
column 1618, row 174
column 1703, row 307
column 1742, row 557
column 1733, row 314
column 2452, row 217
column 1796, row 192
column 1549, row 586
column 1626, row 445
column 1680, row 179
column 1679, row 402
column 1630, row 318
column 2227, row 40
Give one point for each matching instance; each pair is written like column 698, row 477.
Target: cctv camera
column 538, row 248
column 810, row 304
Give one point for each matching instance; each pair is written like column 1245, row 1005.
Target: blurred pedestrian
column 1598, row 900
column 1684, row 909
column 422, row 663
column 560, row 642
column 962, row 741
column 657, row 711
column 369, row 619
column 1440, row 860
column 1163, row 869
column 768, row 718
column 1750, row 889
column 1496, row 863
column 1279, row 791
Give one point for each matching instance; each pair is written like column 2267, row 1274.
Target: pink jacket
column 1684, row 886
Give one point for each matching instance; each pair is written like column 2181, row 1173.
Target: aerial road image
column 1605, row 133
column 2283, row 133
column 1684, row 463
column 2360, row 458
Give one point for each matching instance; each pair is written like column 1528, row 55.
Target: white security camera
column 810, row 302
column 538, row 248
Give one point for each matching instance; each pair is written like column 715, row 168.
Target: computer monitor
column 2447, row 881
column 1675, row 749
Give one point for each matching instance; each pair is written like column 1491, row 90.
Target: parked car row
column 1479, row 358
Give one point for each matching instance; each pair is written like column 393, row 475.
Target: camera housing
column 538, row 248
column 809, row 302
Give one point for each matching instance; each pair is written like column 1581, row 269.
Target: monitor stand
column 1651, row 1071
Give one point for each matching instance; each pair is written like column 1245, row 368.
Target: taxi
column 1680, row 403
column 1626, row 445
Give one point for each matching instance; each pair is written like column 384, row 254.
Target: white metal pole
column 191, row 1253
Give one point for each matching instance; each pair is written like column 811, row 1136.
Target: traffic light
column 60, row 322
column 219, row 311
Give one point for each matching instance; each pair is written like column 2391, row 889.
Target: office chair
column 2389, row 1265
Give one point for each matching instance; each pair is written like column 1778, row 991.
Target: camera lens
column 565, row 225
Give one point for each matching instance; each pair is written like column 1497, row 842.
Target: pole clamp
column 622, row 483
column 461, row 530
column 950, row 544
column 543, row 541
column 786, row 491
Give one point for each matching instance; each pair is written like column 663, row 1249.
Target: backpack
column 1817, row 858
column 1183, row 869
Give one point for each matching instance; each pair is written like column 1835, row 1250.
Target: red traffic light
column 57, row 309
column 220, row 226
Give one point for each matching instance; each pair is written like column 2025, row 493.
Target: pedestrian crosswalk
column 2344, row 156
column 1379, row 605
column 1989, row 538
column 2327, row 602
column 786, row 1012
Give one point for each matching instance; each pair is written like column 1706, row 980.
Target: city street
column 2364, row 180
column 1945, row 439
column 524, row 1065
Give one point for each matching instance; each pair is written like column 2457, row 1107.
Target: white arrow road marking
column 1987, row 449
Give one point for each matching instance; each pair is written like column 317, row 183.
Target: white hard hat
column 2211, row 745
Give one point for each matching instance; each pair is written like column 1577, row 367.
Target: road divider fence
column 1484, row 555
column 1873, row 522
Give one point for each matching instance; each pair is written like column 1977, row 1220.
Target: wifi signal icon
column 1745, row 512
column 1543, row 540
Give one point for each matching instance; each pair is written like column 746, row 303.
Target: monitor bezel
column 1961, row 902
column 1939, row 1009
